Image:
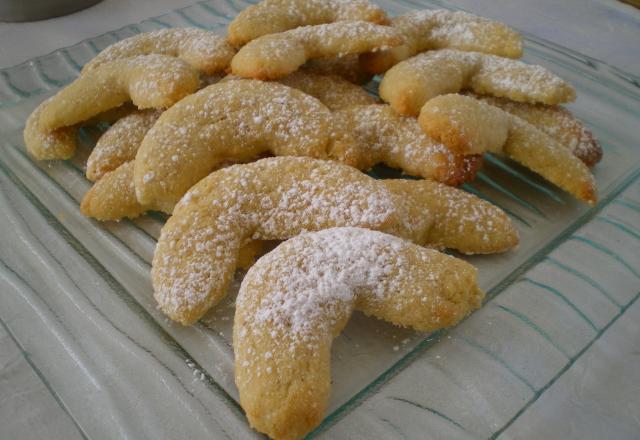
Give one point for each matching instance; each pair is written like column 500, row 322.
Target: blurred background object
column 31, row 10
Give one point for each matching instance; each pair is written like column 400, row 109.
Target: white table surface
column 604, row 29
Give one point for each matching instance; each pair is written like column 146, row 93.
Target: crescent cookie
column 203, row 50
column 382, row 136
column 120, row 143
column 471, row 126
column 411, row 83
column 61, row 143
column 231, row 121
column 271, row 199
column 48, row 144
column 296, row 299
column 150, row 81
column 276, row 55
column 557, row 122
column 274, row 16
column 442, row 29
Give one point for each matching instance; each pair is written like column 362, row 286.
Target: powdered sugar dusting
column 439, row 28
column 449, row 70
column 318, row 280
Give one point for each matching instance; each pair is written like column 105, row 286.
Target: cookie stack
column 188, row 140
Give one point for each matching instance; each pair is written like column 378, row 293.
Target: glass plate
column 78, row 301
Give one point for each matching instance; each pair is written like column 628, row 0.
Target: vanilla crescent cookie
column 61, row 143
column 556, row 121
column 48, row 144
column 276, row 55
column 271, row 199
column 230, row 121
column 382, row 136
column 296, row 299
column 274, row 16
column 471, row 126
column 203, row 50
column 411, row 83
column 442, row 29
column 150, row 81
column 120, row 143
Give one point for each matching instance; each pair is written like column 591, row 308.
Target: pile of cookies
column 264, row 135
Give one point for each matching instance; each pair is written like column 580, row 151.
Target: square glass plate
column 76, row 294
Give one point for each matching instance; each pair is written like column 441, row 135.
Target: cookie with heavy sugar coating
column 557, row 122
column 276, row 55
column 230, row 121
column 441, row 29
column 203, row 50
column 296, row 299
column 271, row 199
column 274, row 16
column 411, row 83
column 120, row 143
column 471, row 126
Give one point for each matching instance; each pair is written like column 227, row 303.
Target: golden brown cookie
column 150, row 81
column 231, row 121
column 407, row 86
column 471, row 126
column 556, row 121
column 295, row 300
column 442, row 29
column 203, row 50
column 61, row 143
column 120, row 143
column 383, row 136
column 274, row 16
column 276, row 55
